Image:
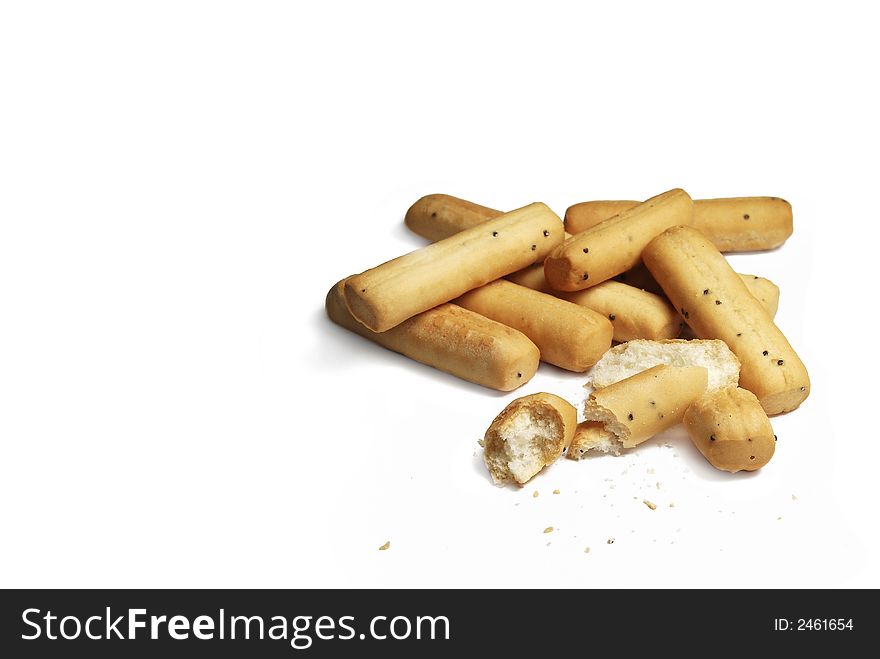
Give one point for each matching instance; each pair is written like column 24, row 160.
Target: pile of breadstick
column 498, row 292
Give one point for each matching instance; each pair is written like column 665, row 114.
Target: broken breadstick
column 633, row 357
column 453, row 340
column 633, row 410
column 615, row 245
column 529, row 434
column 737, row 224
column 388, row 294
column 731, row 429
column 717, row 305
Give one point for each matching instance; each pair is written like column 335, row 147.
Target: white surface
column 180, row 184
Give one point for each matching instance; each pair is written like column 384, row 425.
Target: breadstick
column 637, row 408
column 454, row 340
column 742, row 224
column 717, row 305
column 731, row 429
column 529, row 434
column 766, row 292
column 438, row 216
column 388, row 294
column 569, row 336
column 737, row 224
column 588, row 214
column 634, row 313
column 615, row 245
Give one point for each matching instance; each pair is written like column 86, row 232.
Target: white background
column 181, row 182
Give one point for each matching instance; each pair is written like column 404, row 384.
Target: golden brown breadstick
column 742, row 224
column 438, row 216
column 637, row 408
column 569, row 336
column 634, row 313
column 731, row 429
column 454, row 340
column 388, row 294
column 737, row 224
column 615, row 245
column 529, row 434
column 762, row 288
column 587, row 214
column 717, row 305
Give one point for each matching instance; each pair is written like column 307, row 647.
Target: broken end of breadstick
column 635, row 409
column 592, row 436
column 529, row 434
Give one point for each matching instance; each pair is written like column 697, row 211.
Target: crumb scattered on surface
column 534, row 494
column 556, row 492
column 549, row 529
column 586, row 550
column 548, row 544
column 793, row 498
column 651, row 505
column 650, row 471
column 778, row 518
column 657, row 484
column 610, row 541
column 671, row 505
column 387, row 545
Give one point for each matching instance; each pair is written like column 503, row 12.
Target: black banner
column 334, row 623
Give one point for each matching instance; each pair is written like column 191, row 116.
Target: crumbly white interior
column 599, row 440
column 617, row 433
column 523, row 437
column 607, row 443
column 636, row 356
